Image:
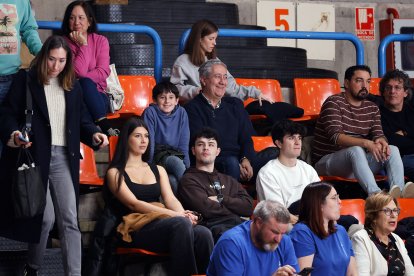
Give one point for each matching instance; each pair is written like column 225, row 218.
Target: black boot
column 28, row 271
column 106, row 127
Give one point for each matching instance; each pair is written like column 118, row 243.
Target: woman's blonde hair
column 373, row 205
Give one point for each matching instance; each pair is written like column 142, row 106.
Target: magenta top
column 92, row 61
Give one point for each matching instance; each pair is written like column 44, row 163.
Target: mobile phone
column 23, row 138
column 306, row 271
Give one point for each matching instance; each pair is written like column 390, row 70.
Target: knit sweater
column 172, row 129
column 196, row 186
column 21, row 26
column 185, row 76
column 337, row 117
column 92, row 60
column 230, row 120
column 399, row 121
column 56, row 107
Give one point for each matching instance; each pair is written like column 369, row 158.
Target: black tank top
column 145, row 192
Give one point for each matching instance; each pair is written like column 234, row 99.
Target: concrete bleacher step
column 12, row 262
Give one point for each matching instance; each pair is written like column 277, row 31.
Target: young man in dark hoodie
column 219, row 198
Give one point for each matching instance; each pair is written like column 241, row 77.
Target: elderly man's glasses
column 395, row 211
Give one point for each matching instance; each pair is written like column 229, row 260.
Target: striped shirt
column 340, row 117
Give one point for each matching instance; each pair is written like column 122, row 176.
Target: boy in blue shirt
column 169, row 131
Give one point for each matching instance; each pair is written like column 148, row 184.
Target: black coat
column 79, row 127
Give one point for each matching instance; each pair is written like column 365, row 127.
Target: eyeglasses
column 387, row 211
column 398, row 88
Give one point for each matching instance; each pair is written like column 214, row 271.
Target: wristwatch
column 220, row 198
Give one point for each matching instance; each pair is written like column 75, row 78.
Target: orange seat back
column 354, row 207
column 262, row 142
column 88, row 174
column 374, row 86
column 270, row 88
column 138, row 94
column 407, row 207
column 113, row 140
column 310, row 94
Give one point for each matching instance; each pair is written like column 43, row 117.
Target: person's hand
column 79, row 38
column 262, row 97
column 19, row 142
column 246, row 170
column 285, row 270
column 376, row 150
column 100, row 139
column 214, row 198
column 193, row 218
column 400, row 132
column 386, row 150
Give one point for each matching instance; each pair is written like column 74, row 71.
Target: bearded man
column 349, row 141
column 258, row 246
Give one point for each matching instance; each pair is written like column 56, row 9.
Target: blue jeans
column 354, row 162
column 60, row 205
column 5, row 83
column 96, row 102
column 228, row 165
column 408, row 162
column 175, row 168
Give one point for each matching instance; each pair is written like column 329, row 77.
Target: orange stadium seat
column 354, row 180
column 311, row 93
column 407, row 207
column 354, row 207
column 270, row 88
column 374, row 86
column 138, row 95
column 262, row 142
column 113, row 140
column 88, row 174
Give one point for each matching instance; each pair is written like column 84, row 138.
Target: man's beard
column 362, row 94
column 268, row 247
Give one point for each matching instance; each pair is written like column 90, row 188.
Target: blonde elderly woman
column 378, row 251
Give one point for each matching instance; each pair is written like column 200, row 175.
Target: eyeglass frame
column 397, row 88
column 395, row 211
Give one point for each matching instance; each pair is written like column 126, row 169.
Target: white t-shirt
column 284, row 184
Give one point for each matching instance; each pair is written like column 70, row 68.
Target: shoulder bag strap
column 29, row 108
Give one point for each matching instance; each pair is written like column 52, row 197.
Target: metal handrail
column 123, row 28
column 382, row 50
column 359, row 47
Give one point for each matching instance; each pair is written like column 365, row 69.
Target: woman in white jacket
column 377, row 250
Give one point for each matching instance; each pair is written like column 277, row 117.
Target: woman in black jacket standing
column 59, row 122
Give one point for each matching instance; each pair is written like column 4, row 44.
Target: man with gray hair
column 228, row 117
column 258, row 246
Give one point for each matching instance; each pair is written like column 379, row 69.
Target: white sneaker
column 395, row 191
column 408, row 191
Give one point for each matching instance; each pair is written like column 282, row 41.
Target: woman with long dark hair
column 59, row 122
column 90, row 60
column 136, row 185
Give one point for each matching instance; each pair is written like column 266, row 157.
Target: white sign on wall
column 279, row 16
column 316, row 18
column 288, row 16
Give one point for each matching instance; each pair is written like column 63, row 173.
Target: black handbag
column 28, row 192
column 161, row 152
